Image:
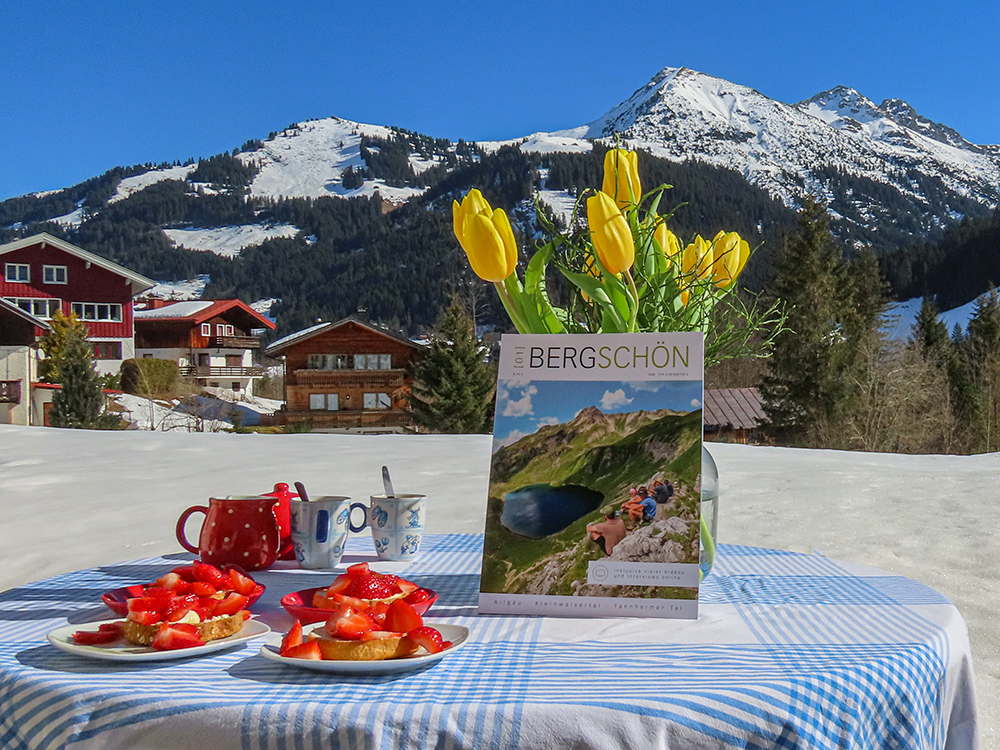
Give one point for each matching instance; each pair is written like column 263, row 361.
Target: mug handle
column 179, row 531
column 364, row 521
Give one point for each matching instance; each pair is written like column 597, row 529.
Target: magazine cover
column 594, row 495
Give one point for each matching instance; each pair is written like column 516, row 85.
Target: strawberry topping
column 428, row 638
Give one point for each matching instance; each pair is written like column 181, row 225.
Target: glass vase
column 709, row 513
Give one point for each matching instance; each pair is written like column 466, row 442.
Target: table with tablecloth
column 789, row 651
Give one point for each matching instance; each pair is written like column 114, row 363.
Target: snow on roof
column 304, row 333
column 176, row 310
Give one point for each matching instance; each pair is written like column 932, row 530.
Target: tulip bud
column 610, row 233
column 667, row 240
column 697, row 258
column 486, row 237
column 726, row 255
column 621, row 177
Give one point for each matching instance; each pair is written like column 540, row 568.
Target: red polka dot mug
column 238, row 530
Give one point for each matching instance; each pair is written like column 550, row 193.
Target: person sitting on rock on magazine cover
column 641, row 508
column 609, row 532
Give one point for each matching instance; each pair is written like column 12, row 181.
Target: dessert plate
column 123, row 650
column 457, row 634
column 299, row 605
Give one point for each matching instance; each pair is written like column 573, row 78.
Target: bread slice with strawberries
column 218, row 627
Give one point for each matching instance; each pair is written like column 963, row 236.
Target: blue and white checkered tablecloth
column 789, row 651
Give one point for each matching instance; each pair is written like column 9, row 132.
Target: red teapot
column 238, row 530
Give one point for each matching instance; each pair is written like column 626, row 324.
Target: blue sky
column 524, row 407
column 91, row 85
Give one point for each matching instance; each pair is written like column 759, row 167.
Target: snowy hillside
column 228, row 241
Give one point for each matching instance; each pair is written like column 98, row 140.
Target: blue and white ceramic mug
column 397, row 525
column 319, row 530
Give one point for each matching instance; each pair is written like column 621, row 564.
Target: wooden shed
column 733, row 415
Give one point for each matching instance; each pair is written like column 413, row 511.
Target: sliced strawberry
column 208, row 573
column 417, row 596
column 358, row 569
column 231, row 604
column 351, row 628
column 240, row 583
column 377, row 612
column 429, row 638
column 245, row 614
column 176, row 635
column 340, row 585
column 446, row 644
column 178, row 614
column 401, row 617
column 258, row 589
column 147, row 604
column 179, row 603
column 108, row 632
column 203, row 613
column 378, row 635
column 373, row 587
column 145, row 618
column 292, row 638
column 200, row 588
column 359, row 605
column 173, row 582
column 208, row 603
column 307, row 650
column 407, row 587
column 157, row 592
column 186, row 572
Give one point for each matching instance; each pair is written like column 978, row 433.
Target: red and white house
column 42, row 274
column 211, row 340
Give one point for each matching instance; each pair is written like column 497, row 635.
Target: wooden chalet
column 348, row 375
column 211, row 340
column 733, row 415
column 42, row 274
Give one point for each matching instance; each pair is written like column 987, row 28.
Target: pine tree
column 453, row 386
column 804, row 387
column 978, row 379
column 80, row 401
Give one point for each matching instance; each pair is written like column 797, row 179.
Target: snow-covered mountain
column 838, row 144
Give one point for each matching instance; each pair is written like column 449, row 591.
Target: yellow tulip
column 610, row 233
column 621, row 177
column 486, row 237
column 697, row 259
column 668, row 241
column 726, row 266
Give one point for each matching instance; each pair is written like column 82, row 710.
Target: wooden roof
column 733, row 408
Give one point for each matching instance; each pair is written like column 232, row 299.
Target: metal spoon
column 387, row 483
column 301, row 488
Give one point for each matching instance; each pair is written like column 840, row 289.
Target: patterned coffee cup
column 397, row 525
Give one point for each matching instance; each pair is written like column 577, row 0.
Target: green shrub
column 149, row 377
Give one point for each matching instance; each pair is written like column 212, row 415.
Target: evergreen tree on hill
column 453, row 386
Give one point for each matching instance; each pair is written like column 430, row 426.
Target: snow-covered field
column 229, row 241
column 72, row 499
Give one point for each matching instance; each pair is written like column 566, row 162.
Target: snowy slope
column 902, row 316
column 228, row 241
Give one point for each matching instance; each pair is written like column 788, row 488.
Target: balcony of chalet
column 10, row 391
column 367, row 418
column 219, row 371
column 234, row 342
column 372, row 379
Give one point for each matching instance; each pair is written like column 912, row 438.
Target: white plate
column 122, row 650
column 457, row 634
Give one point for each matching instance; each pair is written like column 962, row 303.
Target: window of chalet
column 378, row 401
column 234, row 360
column 98, row 311
column 324, row 401
column 108, row 350
column 54, row 274
column 329, row 361
column 206, row 329
column 372, row 361
column 17, row 273
column 220, row 329
column 40, row 308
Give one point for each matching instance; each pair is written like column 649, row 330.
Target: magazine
column 594, row 497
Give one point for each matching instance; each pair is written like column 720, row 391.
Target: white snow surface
column 177, row 310
column 253, row 403
column 309, row 162
column 131, row 185
column 185, row 289
column 164, row 416
column 229, row 241
column 263, row 306
column 930, row 518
